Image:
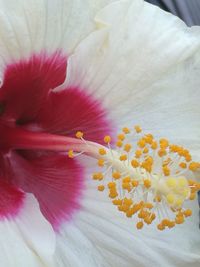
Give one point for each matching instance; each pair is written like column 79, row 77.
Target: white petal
column 44, row 25
column 28, row 239
column 142, row 65
column 115, row 238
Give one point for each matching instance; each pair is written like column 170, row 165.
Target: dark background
column 187, row 10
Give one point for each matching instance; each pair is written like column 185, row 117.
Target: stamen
column 147, row 178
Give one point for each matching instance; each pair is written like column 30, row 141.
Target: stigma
column 146, row 179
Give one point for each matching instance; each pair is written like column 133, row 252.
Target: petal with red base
column 28, row 82
column 68, row 111
column 55, row 180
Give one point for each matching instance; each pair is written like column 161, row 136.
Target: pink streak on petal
column 11, row 200
column 27, row 83
column 71, row 110
column 55, row 180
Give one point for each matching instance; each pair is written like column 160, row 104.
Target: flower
column 67, row 82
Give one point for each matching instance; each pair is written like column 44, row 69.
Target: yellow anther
column 141, row 143
column 138, row 153
column 145, row 150
column 123, row 157
column 116, row 175
column 126, row 186
column 107, row 139
column 165, row 222
column 101, row 187
column 171, row 224
column 192, row 196
column 130, row 212
column 148, row 139
column 135, row 163
column 157, row 198
column 139, row 225
column 147, row 183
column 127, row 147
column 71, row 154
column 79, row 134
column 160, row 227
column 171, row 182
column 148, row 205
column 170, row 198
column 101, row 162
column 164, row 143
column 126, row 130
column 162, row 152
column 147, row 166
column 126, row 179
column 113, row 194
column 166, row 170
column 111, row 185
column 119, row 143
column 138, row 129
column 194, row 166
column 187, row 213
column 128, row 201
column 102, row 151
column 142, row 214
column 98, row 176
column 134, row 183
column 117, row 202
column 154, row 145
column 121, row 137
column 183, row 165
column 188, row 158
column 179, row 219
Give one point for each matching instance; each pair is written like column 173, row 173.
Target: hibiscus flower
column 68, row 79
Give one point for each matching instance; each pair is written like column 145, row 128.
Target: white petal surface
column 44, row 25
column 27, row 240
column 113, row 239
column 143, row 65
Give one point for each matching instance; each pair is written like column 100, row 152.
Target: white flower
column 65, row 70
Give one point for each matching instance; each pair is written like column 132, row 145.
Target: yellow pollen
column 101, row 162
column 135, row 163
column 119, row 143
column 194, row 166
column 134, row 183
column 145, row 150
column 101, row 187
column 147, row 183
column 143, row 177
column 183, row 165
column 71, row 154
column 79, row 134
column 116, row 175
column 187, row 213
column 121, row 137
column 141, row 143
column 107, row 139
column 139, row 225
column 126, row 130
column 138, row 153
column 127, row 147
column 154, row 145
column 102, row 151
column 138, row 129
column 123, row 157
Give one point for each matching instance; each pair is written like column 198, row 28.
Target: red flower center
column 34, row 121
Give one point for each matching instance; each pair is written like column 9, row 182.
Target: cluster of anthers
column 147, row 179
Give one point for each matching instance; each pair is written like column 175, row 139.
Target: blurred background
column 187, row 10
